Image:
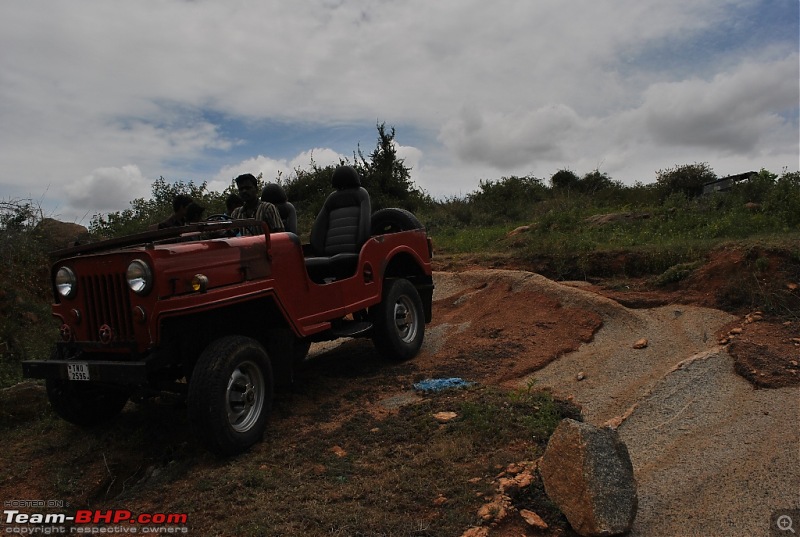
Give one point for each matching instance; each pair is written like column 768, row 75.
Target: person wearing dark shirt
column 180, row 206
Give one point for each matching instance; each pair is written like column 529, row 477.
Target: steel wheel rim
column 244, row 397
column 405, row 320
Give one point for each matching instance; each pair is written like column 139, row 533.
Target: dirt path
column 712, row 454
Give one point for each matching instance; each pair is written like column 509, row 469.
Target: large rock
column 57, row 234
column 588, row 473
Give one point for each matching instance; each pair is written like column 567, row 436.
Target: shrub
column 687, row 179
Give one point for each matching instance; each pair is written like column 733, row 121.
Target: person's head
column 248, row 188
column 232, row 202
column 194, row 213
column 180, row 203
column 273, row 193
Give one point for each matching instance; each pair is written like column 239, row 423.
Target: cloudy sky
column 98, row 98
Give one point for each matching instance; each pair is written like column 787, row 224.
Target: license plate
column 78, row 371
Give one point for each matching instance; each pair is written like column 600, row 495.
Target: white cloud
column 106, row 188
column 507, row 141
column 272, row 169
column 732, row 112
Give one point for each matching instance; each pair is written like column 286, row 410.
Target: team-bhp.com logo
column 96, row 521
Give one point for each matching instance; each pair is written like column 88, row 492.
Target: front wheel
column 84, row 403
column 398, row 321
column 230, row 395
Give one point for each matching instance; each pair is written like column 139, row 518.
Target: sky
column 99, row 98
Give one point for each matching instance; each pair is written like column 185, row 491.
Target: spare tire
column 392, row 220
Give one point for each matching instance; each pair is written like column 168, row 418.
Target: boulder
column 58, row 235
column 587, row 472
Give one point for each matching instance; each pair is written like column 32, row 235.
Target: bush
column 687, row 180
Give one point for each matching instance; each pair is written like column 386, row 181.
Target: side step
column 351, row 328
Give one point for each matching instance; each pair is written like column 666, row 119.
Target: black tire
column 392, row 220
column 398, row 321
column 85, row 403
column 230, row 395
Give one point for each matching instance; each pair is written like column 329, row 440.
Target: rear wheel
column 230, row 395
column 84, row 403
column 398, row 321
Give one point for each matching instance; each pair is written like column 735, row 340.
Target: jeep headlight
column 139, row 277
column 66, row 283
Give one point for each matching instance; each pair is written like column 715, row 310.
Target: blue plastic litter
column 437, row 385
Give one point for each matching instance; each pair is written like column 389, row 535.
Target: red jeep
column 219, row 318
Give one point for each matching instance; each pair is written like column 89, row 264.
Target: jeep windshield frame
column 196, row 231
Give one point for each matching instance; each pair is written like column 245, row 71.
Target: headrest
column 345, row 177
column 273, row 193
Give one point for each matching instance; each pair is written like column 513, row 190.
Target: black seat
column 274, row 193
column 341, row 228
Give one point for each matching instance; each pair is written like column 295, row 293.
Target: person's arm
column 273, row 218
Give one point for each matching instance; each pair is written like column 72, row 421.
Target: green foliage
column 386, row 177
column 594, row 181
column 564, row 179
column 24, row 289
column 146, row 212
column 508, row 199
column 687, row 179
column 677, row 273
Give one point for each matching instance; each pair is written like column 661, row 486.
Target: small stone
column 533, row 519
column 475, row 480
column 581, row 376
column 794, row 363
column 505, row 484
column 444, row 417
column 318, row 469
column 796, row 340
column 339, row 452
column 735, row 331
column 523, row 479
column 641, row 344
column 495, row 510
column 792, row 286
column 724, row 341
column 439, row 501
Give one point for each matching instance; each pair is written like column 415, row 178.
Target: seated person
column 194, row 213
column 253, row 207
column 180, row 206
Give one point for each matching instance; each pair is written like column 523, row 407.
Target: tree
column 564, row 179
column 687, row 179
column 385, row 176
column 594, row 181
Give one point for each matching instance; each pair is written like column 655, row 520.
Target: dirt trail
column 712, row 454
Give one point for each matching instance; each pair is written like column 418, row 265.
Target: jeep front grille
column 108, row 304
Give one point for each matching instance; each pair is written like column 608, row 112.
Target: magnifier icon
column 784, row 523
